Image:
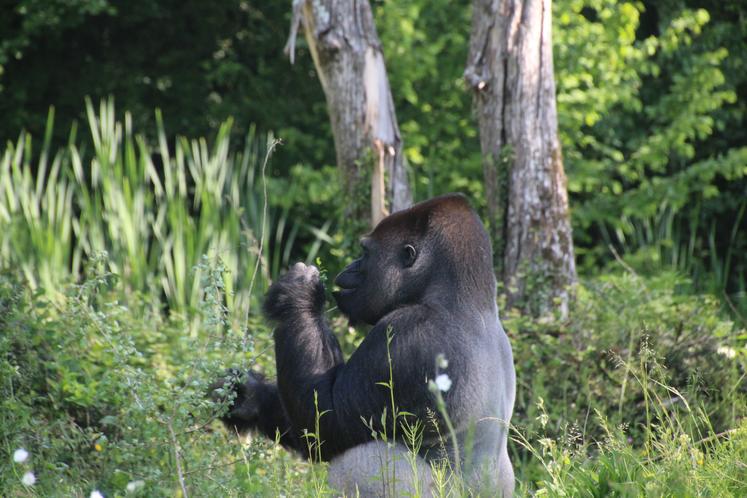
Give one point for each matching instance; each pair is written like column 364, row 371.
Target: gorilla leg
column 374, row 470
column 505, row 474
column 494, row 477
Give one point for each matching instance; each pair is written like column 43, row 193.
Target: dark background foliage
column 652, row 104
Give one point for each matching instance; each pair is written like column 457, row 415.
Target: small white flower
column 28, row 479
column 443, row 382
column 96, row 494
column 727, row 351
column 20, row 455
column 133, row 486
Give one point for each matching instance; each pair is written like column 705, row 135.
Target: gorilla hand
column 256, row 407
column 243, row 396
column 298, row 291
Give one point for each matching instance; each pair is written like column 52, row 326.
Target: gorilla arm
column 296, row 302
column 258, row 407
column 310, row 365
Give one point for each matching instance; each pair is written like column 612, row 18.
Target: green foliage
column 639, row 116
column 208, row 62
column 677, row 466
column 425, row 58
column 104, row 393
column 640, row 363
column 630, row 109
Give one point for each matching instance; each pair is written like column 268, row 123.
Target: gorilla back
column 425, row 282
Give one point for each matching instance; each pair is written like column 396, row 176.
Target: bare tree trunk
column 347, row 54
column 510, row 69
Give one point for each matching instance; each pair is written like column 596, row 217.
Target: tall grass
column 155, row 209
column 681, row 454
column 669, row 239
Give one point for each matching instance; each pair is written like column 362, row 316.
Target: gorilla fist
column 298, row 291
column 243, row 397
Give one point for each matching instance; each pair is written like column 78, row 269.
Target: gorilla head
column 429, row 252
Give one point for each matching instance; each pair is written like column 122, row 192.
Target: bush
column 638, row 355
column 104, row 393
column 638, row 392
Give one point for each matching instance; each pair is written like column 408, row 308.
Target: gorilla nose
column 350, row 277
column 347, row 279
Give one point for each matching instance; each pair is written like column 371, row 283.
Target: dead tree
column 342, row 39
column 510, row 70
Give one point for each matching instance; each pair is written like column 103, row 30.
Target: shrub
column 638, row 355
column 104, row 393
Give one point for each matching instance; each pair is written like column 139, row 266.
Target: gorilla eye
column 410, row 254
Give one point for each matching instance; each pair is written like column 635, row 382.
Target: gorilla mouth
column 342, row 293
column 342, row 296
column 346, row 283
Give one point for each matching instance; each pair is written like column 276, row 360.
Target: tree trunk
column 510, row 70
column 347, row 54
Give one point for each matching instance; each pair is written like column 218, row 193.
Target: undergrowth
column 640, row 392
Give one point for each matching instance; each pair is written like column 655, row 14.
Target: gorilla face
column 434, row 250
column 374, row 284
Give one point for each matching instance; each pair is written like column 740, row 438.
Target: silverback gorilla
column 425, row 279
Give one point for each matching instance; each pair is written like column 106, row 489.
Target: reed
column 154, row 208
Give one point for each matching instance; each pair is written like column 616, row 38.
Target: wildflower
column 543, row 419
column 20, row 455
column 28, row 479
column 133, row 486
column 97, row 447
column 727, row 351
column 96, row 494
column 443, row 382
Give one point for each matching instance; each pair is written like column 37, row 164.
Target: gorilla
column 425, row 283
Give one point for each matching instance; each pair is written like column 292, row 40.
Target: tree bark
column 347, row 54
column 510, row 69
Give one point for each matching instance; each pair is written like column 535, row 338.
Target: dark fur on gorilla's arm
column 308, row 358
column 296, row 301
column 309, row 364
column 257, row 407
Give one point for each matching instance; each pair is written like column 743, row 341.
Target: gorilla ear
column 409, row 255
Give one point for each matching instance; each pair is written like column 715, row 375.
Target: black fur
column 426, row 276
